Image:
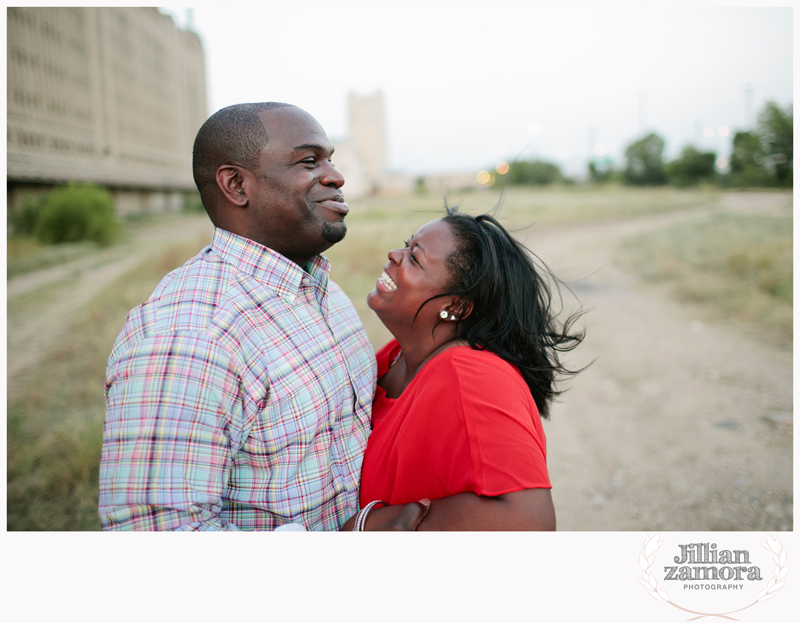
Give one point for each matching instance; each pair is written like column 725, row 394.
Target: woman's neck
column 413, row 357
column 417, row 355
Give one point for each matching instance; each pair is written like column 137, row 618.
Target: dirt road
column 680, row 423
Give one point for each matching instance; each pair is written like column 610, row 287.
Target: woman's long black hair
column 512, row 303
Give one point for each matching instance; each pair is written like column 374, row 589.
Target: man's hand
column 405, row 517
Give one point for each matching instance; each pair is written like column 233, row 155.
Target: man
column 239, row 394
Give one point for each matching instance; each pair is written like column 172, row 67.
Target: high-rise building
column 108, row 95
column 367, row 133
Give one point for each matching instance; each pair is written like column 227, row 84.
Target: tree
column 644, row 166
column 747, row 162
column 602, row 170
column 536, row 172
column 775, row 131
column 692, row 167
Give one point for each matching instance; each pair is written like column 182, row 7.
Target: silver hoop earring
column 443, row 315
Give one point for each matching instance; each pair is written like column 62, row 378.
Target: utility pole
column 642, row 112
column 748, row 98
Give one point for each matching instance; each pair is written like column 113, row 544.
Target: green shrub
column 78, row 212
column 24, row 219
column 192, row 204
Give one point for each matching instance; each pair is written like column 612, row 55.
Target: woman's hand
column 402, row 517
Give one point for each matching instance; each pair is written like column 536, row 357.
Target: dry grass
column 741, row 265
column 26, row 255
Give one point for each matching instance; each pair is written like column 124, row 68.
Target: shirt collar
column 267, row 266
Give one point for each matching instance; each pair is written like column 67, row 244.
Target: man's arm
column 529, row 509
column 169, row 435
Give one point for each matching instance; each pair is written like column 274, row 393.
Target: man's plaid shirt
column 238, row 396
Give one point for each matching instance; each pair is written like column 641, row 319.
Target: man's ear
column 230, row 181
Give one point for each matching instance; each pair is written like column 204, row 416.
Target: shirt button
column 306, row 281
column 291, row 299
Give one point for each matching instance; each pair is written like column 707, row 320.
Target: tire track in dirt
column 32, row 336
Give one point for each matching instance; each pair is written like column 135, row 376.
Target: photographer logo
column 692, row 577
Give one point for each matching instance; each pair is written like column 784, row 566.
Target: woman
column 456, row 415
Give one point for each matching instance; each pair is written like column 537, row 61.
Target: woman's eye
column 411, row 255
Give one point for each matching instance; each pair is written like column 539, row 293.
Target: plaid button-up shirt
column 238, row 396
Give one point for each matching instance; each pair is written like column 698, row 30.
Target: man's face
column 299, row 208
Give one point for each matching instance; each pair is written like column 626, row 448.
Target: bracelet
column 361, row 518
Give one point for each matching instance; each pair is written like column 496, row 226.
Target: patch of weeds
column 740, row 264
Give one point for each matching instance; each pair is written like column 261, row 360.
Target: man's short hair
column 232, row 135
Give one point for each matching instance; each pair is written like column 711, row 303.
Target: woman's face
column 412, row 276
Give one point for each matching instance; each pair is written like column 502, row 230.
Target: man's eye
column 309, row 161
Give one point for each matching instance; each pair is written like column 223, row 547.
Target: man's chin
column 333, row 233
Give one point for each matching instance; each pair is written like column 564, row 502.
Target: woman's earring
column 443, row 315
column 452, row 317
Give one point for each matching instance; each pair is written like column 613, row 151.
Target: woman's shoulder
column 471, row 365
column 483, row 385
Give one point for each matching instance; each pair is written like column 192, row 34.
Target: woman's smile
column 385, row 282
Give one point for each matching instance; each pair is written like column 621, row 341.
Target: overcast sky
column 466, row 87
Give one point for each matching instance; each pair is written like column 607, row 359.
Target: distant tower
column 367, row 133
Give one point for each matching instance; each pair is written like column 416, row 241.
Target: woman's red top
column 466, row 422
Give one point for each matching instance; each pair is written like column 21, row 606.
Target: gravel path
column 680, row 423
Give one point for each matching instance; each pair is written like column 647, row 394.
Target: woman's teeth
column 387, row 281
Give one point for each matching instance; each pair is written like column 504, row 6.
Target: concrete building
column 367, row 127
column 108, row 95
column 361, row 157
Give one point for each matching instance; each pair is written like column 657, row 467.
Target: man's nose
column 332, row 177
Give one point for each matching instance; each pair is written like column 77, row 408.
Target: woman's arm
column 529, row 509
